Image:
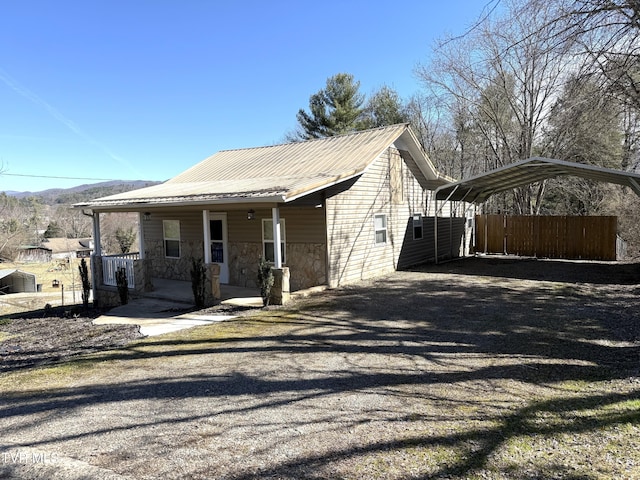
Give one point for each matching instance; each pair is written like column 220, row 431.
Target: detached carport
column 479, row 188
column 16, row 281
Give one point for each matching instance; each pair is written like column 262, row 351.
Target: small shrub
column 265, row 280
column 198, row 281
column 123, row 285
column 86, row 284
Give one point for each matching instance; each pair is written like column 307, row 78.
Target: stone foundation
column 280, row 292
column 243, row 264
column 172, row 268
column 306, row 261
column 106, row 297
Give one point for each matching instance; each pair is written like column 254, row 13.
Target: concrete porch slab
column 156, row 317
column 165, row 309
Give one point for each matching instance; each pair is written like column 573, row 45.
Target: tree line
column 31, row 220
column 558, row 79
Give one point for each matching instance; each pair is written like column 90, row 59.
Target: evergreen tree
column 334, row 110
column 383, row 108
column 54, row 231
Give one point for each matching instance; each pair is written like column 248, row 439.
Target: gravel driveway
column 452, row 371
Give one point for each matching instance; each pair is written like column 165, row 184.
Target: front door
column 218, row 235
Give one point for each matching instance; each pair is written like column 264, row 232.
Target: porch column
column 141, row 234
column 206, row 238
column 97, row 245
column 96, row 259
column 277, row 238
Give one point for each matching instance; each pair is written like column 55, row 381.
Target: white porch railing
column 111, row 264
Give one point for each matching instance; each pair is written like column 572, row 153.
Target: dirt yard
column 61, row 272
column 484, row 368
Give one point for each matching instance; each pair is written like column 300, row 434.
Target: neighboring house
column 69, row 247
column 327, row 211
column 16, row 281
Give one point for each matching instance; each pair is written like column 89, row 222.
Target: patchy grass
column 419, row 375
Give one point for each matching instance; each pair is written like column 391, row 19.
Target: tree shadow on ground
column 443, row 332
column 541, row 269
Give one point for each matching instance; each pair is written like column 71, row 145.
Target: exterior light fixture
column 251, row 214
column 146, row 216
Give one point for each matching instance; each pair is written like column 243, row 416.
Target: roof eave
column 140, row 205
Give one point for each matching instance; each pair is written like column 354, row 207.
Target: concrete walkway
column 157, row 314
column 163, row 310
column 156, row 317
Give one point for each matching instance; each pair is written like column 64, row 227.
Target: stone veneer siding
column 306, row 262
column 173, row 268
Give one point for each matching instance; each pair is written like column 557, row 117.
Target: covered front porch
column 142, row 285
column 226, row 242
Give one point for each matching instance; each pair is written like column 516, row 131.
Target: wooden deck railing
column 111, row 264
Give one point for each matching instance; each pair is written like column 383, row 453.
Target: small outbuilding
column 16, row 281
column 33, row 254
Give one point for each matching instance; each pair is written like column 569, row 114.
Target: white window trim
column 283, row 237
column 417, row 221
column 376, row 230
column 165, row 238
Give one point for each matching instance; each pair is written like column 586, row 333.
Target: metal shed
column 16, row 281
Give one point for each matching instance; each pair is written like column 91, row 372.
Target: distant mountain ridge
column 84, row 192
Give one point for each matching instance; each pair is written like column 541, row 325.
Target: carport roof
column 10, row 271
column 477, row 189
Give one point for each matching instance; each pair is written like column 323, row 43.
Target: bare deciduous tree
column 498, row 84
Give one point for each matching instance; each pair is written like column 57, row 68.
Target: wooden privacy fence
column 587, row 238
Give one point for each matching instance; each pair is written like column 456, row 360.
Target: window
column 417, row 226
column 171, row 229
column 380, row 226
column 267, row 240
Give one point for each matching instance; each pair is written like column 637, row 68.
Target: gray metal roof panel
column 529, row 171
column 279, row 172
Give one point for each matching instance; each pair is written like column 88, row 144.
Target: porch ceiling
column 478, row 189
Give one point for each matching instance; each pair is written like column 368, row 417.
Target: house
column 328, row 211
column 62, row 247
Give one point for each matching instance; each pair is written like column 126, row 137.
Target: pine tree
column 334, row 110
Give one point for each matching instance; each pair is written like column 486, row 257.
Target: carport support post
column 435, row 216
column 435, row 228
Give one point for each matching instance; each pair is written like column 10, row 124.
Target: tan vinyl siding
column 387, row 187
column 350, row 226
column 303, row 225
column 190, row 225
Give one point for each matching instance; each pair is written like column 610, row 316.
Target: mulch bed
column 41, row 338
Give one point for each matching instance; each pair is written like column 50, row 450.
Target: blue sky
column 143, row 89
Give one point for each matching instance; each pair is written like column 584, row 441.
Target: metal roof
column 279, row 173
column 477, row 189
column 10, row 271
